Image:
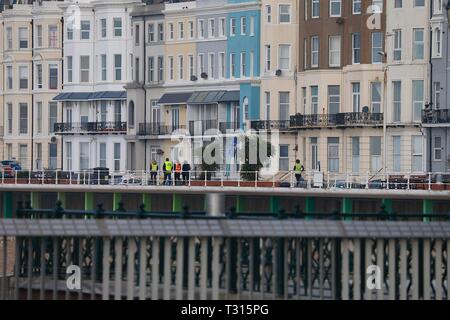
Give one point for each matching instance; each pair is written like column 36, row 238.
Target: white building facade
column 98, row 64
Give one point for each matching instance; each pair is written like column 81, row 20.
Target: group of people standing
column 181, row 172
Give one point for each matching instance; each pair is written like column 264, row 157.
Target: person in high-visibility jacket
column 177, row 172
column 167, row 168
column 153, row 172
column 298, row 169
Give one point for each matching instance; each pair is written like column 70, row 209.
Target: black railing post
column 59, row 211
column 19, row 210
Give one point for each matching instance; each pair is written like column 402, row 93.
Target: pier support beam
column 427, row 209
column 274, row 205
column 347, row 207
column 7, row 205
column 147, row 201
column 117, row 198
column 35, row 200
column 177, row 205
column 62, row 197
column 240, row 204
column 387, row 203
column 310, row 206
column 88, row 201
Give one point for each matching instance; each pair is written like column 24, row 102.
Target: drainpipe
column 144, row 63
column 62, row 88
column 32, row 95
column 431, row 99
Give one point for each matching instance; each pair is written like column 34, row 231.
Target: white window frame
column 280, row 46
column 334, row 53
column 288, row 14
column 232, row 27
column 436, row 149
column 335, row 15
column 315, row 52
column 243, row 26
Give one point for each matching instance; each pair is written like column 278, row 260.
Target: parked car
column 8, row 168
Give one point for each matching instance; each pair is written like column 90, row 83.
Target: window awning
column 206, row 97
column 175, row 98
column 209, row 97
column 231, row 96
column 91, row 96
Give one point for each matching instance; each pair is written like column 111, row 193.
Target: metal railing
column 225, row 259
column 338, row 119
column 200, row 127
column 25, row 211
column 156, row 129
column 91, row 127
column 436, row 116
column 270, row 125
column 224, row 179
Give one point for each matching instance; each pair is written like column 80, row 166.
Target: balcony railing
column 338, row 119
column 436, row 116
column 226, row 127
column 90, row 127
column 156, row 129
column 200, row 127
column 280, row 125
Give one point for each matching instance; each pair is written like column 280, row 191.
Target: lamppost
column 385, row 103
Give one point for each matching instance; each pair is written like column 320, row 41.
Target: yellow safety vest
column 298, row 168
column 168, row 166
column 154, row 167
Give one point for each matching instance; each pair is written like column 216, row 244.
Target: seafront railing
column 223, row 259
column 224, row 179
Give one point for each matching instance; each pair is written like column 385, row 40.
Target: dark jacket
column 186, row 167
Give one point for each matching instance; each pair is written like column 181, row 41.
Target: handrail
column 199, row 178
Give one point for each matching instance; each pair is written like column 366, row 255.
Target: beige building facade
column 31, row 63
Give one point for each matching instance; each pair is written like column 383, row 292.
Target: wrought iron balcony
column 436, row 116
column 226, row 127
column 90, row 127
column 200, row 127
column 157, row 129
column 279, row 125
column 347, row 119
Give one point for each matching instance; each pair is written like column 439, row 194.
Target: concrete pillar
column 62, row 198
column 427, row 209
column 7, row 205
column 177, row 205
column 35, row 200
column 215, row 204
column 147, row 201
column 117, row 198
column 347, row 207
column 88, row 201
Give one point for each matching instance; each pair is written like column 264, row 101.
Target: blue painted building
column 243, row 54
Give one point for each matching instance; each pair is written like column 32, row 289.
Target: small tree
column 207, row 167
column 249, row 168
